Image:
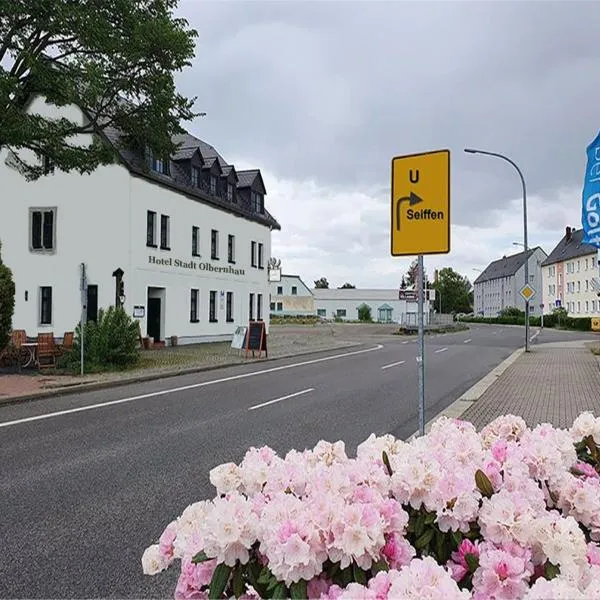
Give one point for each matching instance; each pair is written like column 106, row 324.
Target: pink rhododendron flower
column 501, row 574
column 294, row 513
column 424, row 579
column 165, row 542
column 193, row 578
column 397, row 551
column 593, row 553
column 554, row 589
column 318, row 586
column 459, row 566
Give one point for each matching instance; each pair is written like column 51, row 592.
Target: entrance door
column 153, row 319
column 92, row 303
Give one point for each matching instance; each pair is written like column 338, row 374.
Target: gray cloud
column 328, row 92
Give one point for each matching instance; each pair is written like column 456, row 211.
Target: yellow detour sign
column 595, row 323
column 421, row 203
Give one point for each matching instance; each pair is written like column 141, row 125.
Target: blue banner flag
column 590, row 210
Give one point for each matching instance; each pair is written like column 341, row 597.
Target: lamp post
column 508, row 160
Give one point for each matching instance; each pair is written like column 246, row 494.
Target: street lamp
column 525, row 246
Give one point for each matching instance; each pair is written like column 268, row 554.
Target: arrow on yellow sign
column 412, row 200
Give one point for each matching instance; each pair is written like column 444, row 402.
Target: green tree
column 364, row 313
column 7, row 302
column 413, row 274
column 322, row 284
column 453, row 292
column 347, row 286
column 114, row 59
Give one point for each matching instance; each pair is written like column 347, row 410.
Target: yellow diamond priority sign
column 527, row 292
column 420, row 207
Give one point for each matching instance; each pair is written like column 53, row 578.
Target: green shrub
column 112, row 343
column 7, row 302
column 364, row 314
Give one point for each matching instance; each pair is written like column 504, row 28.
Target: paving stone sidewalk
column 552, row 384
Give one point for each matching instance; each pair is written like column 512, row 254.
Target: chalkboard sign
column 256, row 338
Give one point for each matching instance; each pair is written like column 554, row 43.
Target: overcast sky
column 321, row 95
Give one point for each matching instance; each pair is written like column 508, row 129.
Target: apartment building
column 571, row 276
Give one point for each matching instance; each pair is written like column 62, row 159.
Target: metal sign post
column 420, row 224
column 421, row 293
column 83, row 287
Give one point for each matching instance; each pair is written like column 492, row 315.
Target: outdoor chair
column 46, row 351
column 67, row 343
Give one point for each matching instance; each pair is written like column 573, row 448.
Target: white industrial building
column 499, row 284
column 190, row 234
column 387, row 306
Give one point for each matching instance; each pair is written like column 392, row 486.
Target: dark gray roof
column 246, row 178
column 505, row 266
column 180, row 178
column 571, row 249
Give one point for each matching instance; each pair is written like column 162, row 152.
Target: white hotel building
column 191, row 235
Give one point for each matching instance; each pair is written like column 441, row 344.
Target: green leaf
column 430, row 518
column 359, row 575
column 380, row 565
column 298, row 590
column 346, row 576
column 420, row 524
column 484, row 485
column 423, row 540
column 200, row 557
column 280, row 592
column 273, row 583
column 550, row 570
column 219, row 580
column 386, row 462
column 239, row 586
column 265, row 576
column 472, row 561
column 457, row 538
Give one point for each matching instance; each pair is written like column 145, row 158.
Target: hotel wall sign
column 193, row 265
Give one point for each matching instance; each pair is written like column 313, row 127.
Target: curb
column 76, row 388
column 458, row 407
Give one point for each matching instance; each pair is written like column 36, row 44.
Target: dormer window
column 213, row 185
column 196, row 176
column 230, row 192
column 257, row 203
column 159, row 165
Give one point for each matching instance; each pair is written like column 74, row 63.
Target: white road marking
column 405, row 342
column 468, row 340
column 189, row 387
column 282, row 398
column 400, row 362
column 441, row 350
column 418, row 358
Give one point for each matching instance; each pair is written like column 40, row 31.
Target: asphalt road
column 89, row 481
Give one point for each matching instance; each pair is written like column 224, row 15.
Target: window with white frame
column 194, row 296
column 165, row 233
column 45, row 305
column 42, row 229
column 229, row 308
column 195, row 241
column 214, row 244
column 231, row 248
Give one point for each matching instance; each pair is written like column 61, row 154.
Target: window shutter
column 36, row 229
column 48, row 229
